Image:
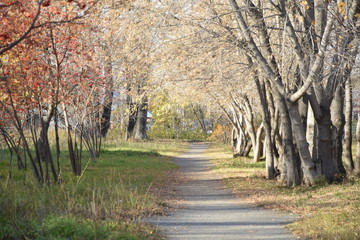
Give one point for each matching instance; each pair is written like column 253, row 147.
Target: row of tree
column 283, row 72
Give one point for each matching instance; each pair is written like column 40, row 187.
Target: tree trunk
column 357, row 160
column 311, row 133
column 325, row 145
column 338, row 120
column 44, row 145
column 137, row 120
column 45, row 154
column 238, row 142
column 140, row 126
column 241, row 145
column 259, row 147
column 72, row 146
column 269, row 156
column 291, row 168
column 106, row 115
column 132, row 120
column 57, row 142
column 247, row 149
column 235, row 142
column 348, row 158
column 199, row 114
column 307, row 165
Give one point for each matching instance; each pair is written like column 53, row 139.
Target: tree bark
column 72, row 147
column 259, row 147
column 357, row 160
column 338, row 120
column 137, row 120
column 291, row 172
column 311, row 133
column 307, row 165
column 348, row 158
column 106, row 115
column 108, row 101
column 325, row 154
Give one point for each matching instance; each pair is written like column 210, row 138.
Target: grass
column 325, row 211
column 107, row 201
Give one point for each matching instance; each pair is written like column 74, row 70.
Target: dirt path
column 211, row 212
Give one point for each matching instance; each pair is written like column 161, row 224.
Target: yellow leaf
column 304, row 3
column 341, row 5
column 3, row 97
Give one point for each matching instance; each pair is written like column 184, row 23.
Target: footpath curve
column 210, row 211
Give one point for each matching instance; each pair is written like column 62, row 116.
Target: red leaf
column 46, row 3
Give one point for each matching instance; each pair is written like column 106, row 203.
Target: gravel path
column 210, row 211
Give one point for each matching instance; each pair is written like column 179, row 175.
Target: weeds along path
column 210, row 211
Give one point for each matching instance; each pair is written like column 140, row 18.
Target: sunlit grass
column 325, row 211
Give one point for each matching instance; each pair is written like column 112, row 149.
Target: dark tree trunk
column 106, row 115
column 200, row 116
column 43, row 144
column 45, row 154
column 140, row 126
column 329, row 165
column 136, row 128
column 132, row 120
column 307, row 165
column 75, row 158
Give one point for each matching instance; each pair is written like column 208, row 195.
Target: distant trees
column 177, row 118
column 127, row 37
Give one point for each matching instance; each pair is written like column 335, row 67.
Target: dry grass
column 325, row 211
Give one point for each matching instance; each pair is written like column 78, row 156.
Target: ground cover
column 325, row 211
column 107, row 201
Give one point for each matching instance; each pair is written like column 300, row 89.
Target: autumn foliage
column 49, row 75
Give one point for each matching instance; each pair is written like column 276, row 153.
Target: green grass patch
column 329, row 225
column 241, row 162
column 107, row 201
column 326, row 211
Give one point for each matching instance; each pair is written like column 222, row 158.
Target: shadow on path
column 210, row 211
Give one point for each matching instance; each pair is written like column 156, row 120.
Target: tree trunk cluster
column 306, row 109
